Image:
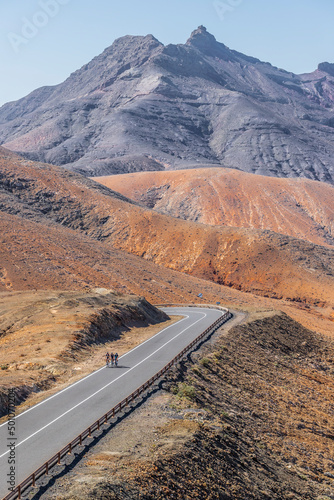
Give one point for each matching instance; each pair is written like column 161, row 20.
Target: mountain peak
column 203, row 41
column 133, row 43
column 201, row 30
column 201, row 38
column 141, row 105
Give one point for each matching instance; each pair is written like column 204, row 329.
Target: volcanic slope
column 296, row 207
column 141, row 105
column 261, row 262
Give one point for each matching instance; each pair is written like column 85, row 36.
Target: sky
column 43, row 41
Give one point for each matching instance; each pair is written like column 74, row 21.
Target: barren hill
column 297, row 207
column 141, row 105
column 47, row 208
column 38, row 254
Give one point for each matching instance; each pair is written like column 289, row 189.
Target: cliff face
column 141, row 105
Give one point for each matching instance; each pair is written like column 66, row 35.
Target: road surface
column 41, row 431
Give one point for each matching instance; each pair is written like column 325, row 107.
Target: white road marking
column 102, row 388
column 93, row 373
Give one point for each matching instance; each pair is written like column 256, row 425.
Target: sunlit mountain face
column 141, row 105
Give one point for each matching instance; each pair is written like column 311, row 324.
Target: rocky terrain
column 296, row 207
column 260, row 262
column 250, row 417
column 45, row 337
column 141, row 105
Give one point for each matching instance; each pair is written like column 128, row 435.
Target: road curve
column 45, row 428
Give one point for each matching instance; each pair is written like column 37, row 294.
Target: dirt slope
column 296, row 207
column 260, row 262
column 43, row 257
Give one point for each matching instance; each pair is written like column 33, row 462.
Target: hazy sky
column 43, row 41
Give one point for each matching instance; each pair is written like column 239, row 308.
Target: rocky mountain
column 297, row 207
column 141, row 105
column 58, row 227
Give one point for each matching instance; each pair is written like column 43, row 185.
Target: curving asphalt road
column 45, row 428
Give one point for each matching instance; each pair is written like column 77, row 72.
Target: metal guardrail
column 45, row 468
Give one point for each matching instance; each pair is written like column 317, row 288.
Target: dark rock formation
column 141, row 105
column 327, row 68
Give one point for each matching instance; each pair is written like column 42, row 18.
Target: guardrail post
column 106, row 419
column 47, row 468
column 89, row 432
column 70, row 448
column 113, row 412
column 33, row 480
column 98, row 425
column 80, row 439
column 19, row 491
column 58, row 458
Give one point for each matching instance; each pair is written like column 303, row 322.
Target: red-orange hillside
column 297, row 207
